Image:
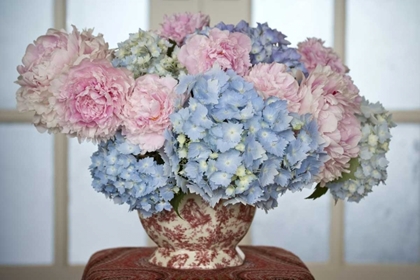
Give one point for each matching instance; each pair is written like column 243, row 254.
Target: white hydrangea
column 147, row 53
column 369, row 169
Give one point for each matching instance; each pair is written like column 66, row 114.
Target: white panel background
column 26, row 200
column 114, row 19
column 299, row 225
column 382, row 50
column 297, row 19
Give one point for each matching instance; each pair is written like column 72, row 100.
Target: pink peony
column 314, row 53
column 42, row 62
column 228, row 50
column 50, row 56
column 274, row 80
column 178, row 26
column 333, row 100
column 146, row 112
column 92, row 47
column 90, row 97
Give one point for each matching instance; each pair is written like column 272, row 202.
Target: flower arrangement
column 232, row 113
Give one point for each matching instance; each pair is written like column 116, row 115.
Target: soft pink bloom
column 274, row 80
column 90, row 97
column 228, row 50
column 147, row 109
column 92, row 47
column 47, row 58
column 178, row 26
column 333, row 100
column 314, row 53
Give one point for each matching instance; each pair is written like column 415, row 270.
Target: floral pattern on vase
column 202, row 238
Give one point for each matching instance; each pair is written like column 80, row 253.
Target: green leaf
column 154, row 155
column 176, row 201
column 319, row 191
column 171, row 48
column 354, row 163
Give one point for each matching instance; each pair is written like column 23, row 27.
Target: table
column 261, row 262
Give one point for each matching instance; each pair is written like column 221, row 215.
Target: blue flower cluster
column 370, row 167
column 123, row 175
column 228, row 143
column 268, row 45
column 147, row 53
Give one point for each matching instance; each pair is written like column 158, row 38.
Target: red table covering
column 261, row 262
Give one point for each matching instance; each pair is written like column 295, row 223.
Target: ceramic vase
column 200, row 237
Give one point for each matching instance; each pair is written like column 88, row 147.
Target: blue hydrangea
column 122, row 174
column 268, row 45
column 228, row 143
column 369, row 169
column 147, row 53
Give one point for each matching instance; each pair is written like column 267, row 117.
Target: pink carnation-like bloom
column 274, row 80
column 313, row 53
column 146, row 112
column 90, row 97
column 178, row 26
column 333, row 100
column 228, row 50
column 48, row 57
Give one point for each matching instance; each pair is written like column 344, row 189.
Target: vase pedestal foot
column 200, row 259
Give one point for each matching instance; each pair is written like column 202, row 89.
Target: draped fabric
column 261, row 262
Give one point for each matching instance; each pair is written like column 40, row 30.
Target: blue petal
column 268, row 172
column 221, row 178
column 229, row 161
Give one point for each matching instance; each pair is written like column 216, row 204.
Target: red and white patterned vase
column 204, row 238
